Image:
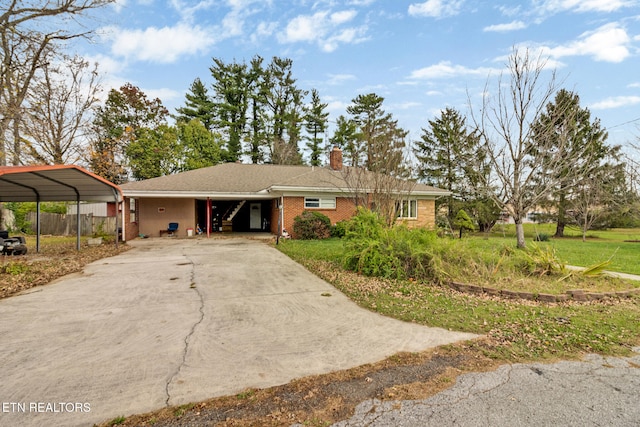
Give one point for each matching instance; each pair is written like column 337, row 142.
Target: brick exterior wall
column 345, row 209
column 426, row 215
column 131, row 227
column 294, row 206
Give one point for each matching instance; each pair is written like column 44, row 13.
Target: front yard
column 517, row 329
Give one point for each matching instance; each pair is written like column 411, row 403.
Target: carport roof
column 54, row 183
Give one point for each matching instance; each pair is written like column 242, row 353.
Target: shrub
column 541, row 261
column 375, row 249
column 339, row 229
column 463, row 221
column 311, row 225
column 541, row 237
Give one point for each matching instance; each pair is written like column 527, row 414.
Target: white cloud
column 263, row 30
column 445, row 69
column 324, row 28
column 338, row 18
column 165, row 94
column 337, row 79
column 162, row 45
column 436, row 8
column 555, row 6
column 609, row 43
column 405, row 105
column 616, row 102
column 306, row 28
column 502, row 28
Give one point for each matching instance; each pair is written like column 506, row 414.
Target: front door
column 255, row 216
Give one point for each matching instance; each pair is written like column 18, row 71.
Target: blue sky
column 421, row 56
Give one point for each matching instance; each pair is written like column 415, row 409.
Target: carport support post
column 38, row 225
column 208, row 217
column 78, row 228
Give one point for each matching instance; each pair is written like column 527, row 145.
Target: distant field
column 601, row 245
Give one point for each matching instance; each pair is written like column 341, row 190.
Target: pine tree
column 198, row 105
column 316, row 124
column 574, row 137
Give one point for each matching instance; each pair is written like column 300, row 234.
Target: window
column 319, row 202
column 132, row 210
column 408, row 209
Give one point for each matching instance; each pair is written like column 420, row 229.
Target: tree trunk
column 561, row 221
column 520, row 233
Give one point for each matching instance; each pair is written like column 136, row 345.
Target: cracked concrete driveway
column 176, row 321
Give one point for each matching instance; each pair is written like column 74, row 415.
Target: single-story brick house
column 251, row 197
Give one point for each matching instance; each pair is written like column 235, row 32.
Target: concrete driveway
column 176, row 321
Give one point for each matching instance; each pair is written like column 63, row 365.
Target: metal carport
column 57, row 183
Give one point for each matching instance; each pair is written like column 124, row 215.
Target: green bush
column 541, row 237
column 311, row 225
column 374, row 249
column 339, row 229
column 21, row 209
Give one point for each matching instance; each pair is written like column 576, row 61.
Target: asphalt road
column 596, row 391
column 181, row 320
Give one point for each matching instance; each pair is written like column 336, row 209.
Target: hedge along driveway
column 180, row 320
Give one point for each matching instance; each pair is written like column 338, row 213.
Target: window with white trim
column 408, row 208
column 319, row 202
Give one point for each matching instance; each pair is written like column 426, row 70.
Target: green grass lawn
column 515, row 330
column 600, row 245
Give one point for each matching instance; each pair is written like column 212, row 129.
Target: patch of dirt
column 325, row 399
column 19, row 273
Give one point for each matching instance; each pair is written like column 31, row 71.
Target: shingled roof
column 244, row 180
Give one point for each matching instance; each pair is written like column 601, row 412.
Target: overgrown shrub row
column 374, row 249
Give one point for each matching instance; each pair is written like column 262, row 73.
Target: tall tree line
column 258, row 109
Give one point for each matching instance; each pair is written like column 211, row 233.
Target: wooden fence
column 66, row 225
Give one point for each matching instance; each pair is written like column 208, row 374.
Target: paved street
column 596, row 391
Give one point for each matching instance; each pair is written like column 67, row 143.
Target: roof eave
column 159, row 194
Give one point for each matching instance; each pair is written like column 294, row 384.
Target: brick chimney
column 335, row 159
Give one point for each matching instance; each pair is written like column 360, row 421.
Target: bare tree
column 524, row 169
column 387, row 182
column 56, row 118
column 31, row 32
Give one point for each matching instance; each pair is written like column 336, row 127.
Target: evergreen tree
column 198, row 105
column 444, row 152
column 349, row 140
column 257, row 101
column 283, row 111
column 574, row 136
column 316, row 124
column 381, row 135
column 231, row 95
